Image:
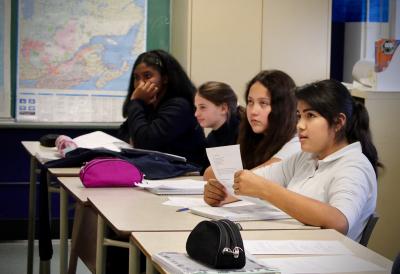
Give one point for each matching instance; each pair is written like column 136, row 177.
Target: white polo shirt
column 288, row 149
column 344, row 179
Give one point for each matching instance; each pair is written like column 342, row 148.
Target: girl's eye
column 311, row 115
column 250, row 102
column 264, row 103
column 147, row 75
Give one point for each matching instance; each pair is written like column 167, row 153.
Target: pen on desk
column 182, row 209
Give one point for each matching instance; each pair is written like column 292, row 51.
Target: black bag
column 217, row 244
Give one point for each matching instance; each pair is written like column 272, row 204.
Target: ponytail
column 357, row 129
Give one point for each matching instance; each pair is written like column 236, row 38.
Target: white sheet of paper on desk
column 196, row 202
column 295, row 247
column 321, row 264
column 241, row 213
column 99, row 139
column 182, row 186
column 238, row 203
column 173, row 184
column 184, row 201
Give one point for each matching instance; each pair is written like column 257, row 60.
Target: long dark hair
column 258, row 148
column 219, row 93
column 330, row 98
column 178, row 85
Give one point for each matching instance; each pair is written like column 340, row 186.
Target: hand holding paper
column 247, row 183
column 225, row 161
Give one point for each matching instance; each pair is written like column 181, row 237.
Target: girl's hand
column 214, row 193
column 247, row 183
column 146, row 91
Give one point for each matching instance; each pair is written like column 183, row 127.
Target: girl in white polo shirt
column 332, row 183
column 267, row 131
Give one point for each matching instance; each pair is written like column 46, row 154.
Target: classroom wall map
column 75, row 58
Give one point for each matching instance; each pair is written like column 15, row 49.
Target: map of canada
column 79, row 45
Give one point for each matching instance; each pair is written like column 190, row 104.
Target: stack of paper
column 174, row 262
column 180, row 186
column 240, row 213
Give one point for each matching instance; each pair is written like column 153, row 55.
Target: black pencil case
column 217, row 244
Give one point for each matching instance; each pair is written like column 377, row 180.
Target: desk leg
column 73, row 256
column 150, row 269
column 32, row 213
column 63, row 230
column 134, row 258
column 100, row 247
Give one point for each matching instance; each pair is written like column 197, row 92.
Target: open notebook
column 174, row 186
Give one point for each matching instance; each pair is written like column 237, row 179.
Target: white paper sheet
column 184, row 202
column 225, row 161
column 99, row 139
column 196, row 202
column 295, row 247
column 321, row 264
column 238, row 204
column 173, row 184
column 241, row 213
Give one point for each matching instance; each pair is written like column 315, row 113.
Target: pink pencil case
column 110, row 172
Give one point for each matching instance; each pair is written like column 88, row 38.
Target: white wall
column 221, row 42
column 296, row 38
column 232, row 40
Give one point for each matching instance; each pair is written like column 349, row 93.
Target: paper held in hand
column 225, row 161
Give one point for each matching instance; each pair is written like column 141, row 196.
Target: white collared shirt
column 288, row 149
column 345, row 180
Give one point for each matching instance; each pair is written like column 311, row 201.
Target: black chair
column 396, row 265
column 369, row 227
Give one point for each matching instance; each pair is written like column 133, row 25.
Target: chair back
column 369, row 227
column 396, row 265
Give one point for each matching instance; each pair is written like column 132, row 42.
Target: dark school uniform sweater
column 225, row 135
column 170, row 127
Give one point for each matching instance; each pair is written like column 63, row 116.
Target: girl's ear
column 340, row 122
column 224, row 108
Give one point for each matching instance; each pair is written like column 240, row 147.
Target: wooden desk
column 73, row 186
column 153, row 242
column 127, row 210
column 65, row 171
column 35, row 151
